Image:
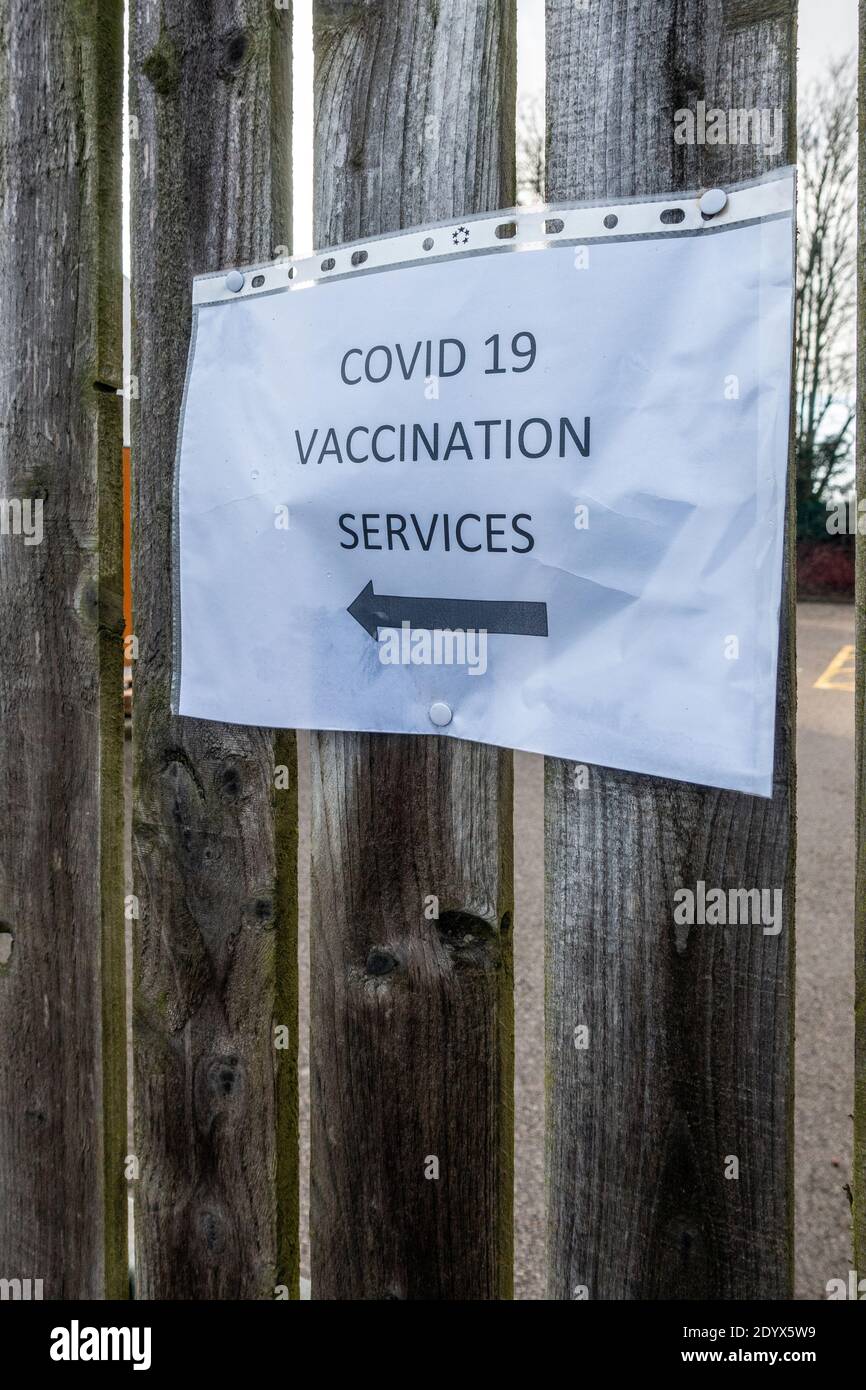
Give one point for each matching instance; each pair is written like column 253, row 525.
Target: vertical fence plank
column 412, row 1024
column 690, row 1053
column 216, row 1103
column 859, row 1183
column 62, row 1057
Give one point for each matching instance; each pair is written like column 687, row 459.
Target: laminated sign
column 518, row 479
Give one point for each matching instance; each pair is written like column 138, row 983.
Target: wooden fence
column 697, row 1056
column 690, row 1056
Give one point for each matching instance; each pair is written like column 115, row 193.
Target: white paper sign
column 526, row 489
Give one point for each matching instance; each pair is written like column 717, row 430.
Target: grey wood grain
column 690, row 1044
column 62, row 1045
column 412, row 1024
column 214, row 841
column 859, row 1176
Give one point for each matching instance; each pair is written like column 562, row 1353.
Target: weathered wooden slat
column 690, row 1044
column 859, row 1184
column 412, row 1024
column 214, row 841
column 62, row 1043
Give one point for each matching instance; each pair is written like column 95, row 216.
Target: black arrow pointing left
column 512, row 616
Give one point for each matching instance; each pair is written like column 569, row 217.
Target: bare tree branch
column 530, row 150
column 825, row 281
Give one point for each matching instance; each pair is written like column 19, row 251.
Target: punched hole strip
column 515, row 229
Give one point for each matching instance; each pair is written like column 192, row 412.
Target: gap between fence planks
column 411, row 1019
column 62, row 1036
column 859, row 1176
column 215, row 843
column 690, row 1055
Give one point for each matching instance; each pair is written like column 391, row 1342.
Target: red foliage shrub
column 825, row 569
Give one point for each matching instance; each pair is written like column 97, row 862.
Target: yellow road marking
column 839, row 675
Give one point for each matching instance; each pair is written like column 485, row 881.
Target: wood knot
column 231, row 782
column 470, row 940
column 381, row 961
column 213, row 1229
column 235, row 53
column 162, row 66
column 223, row 1075
column 263, row 911
column 221, row 1087
column 86, row 601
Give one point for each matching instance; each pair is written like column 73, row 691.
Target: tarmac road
column 825, row 953
column 825, row 894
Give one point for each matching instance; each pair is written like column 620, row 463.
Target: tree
column 825, row 288
column 530, row 150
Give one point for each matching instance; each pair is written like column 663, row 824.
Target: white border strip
column 513, row 229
